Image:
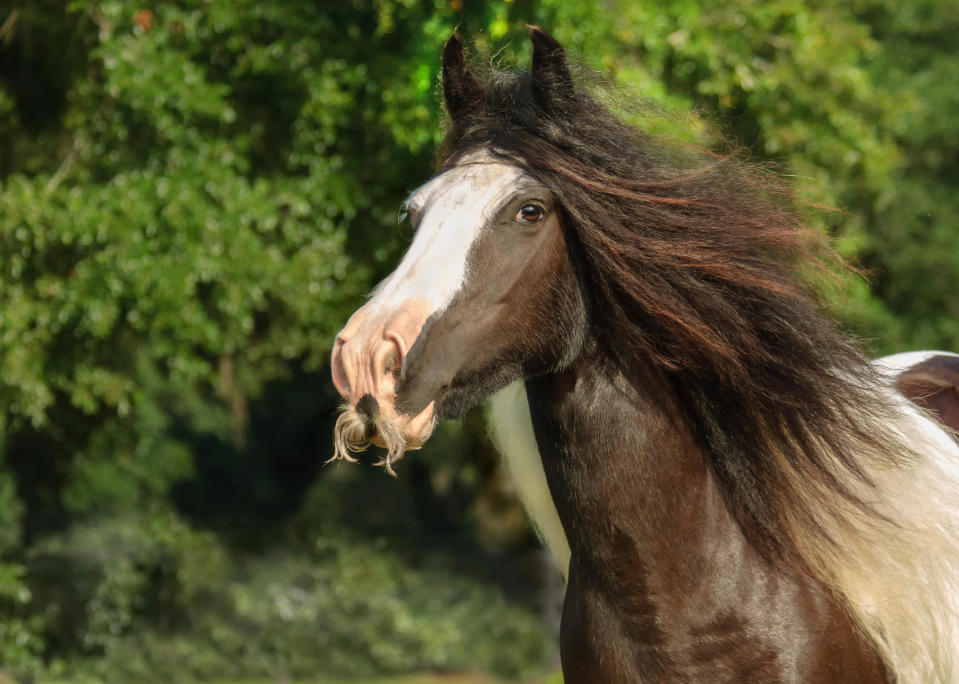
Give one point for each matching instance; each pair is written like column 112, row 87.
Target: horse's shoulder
column 930, row 380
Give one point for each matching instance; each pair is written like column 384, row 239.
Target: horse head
column 486, row 293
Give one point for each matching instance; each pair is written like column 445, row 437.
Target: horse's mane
column 699, row 266
column 698, row 263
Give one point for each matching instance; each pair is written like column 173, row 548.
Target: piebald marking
column 512, row 431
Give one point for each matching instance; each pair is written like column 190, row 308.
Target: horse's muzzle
column 368, row 360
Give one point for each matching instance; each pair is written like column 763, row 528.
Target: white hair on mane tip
column 511, row 430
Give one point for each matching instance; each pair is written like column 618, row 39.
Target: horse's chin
column 356, row 429
column 416, row 430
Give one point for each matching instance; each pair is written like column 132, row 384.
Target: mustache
column 357, row 426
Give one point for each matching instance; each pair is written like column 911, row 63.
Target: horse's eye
column 530, row 213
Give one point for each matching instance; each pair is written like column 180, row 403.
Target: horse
column 735, row 492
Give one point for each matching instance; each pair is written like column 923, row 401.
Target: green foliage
column 344, row 607
column 913, row 243
column 20, row 644
column 358, row 610
column 195, row 194
column 170, row 244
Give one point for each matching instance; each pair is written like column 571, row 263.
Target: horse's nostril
column 394, row 364
column 338, row 369
column 367, row 406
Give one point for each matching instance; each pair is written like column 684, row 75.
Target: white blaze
column 453, row 208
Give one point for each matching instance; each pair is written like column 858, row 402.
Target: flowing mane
column 696, row 268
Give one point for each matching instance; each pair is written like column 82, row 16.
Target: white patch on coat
column 511, row 429
column 896, row 364
column 900, row 580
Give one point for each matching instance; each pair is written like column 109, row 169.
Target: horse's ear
column 461, row 90
column 552, row 83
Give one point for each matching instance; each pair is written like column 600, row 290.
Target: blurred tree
column 913, row 241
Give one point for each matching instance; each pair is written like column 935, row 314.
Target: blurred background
column 194, row 195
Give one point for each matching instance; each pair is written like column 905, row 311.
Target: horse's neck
column 626, row 474
column 662, row 583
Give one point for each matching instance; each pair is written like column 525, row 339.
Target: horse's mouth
column 366, row 423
